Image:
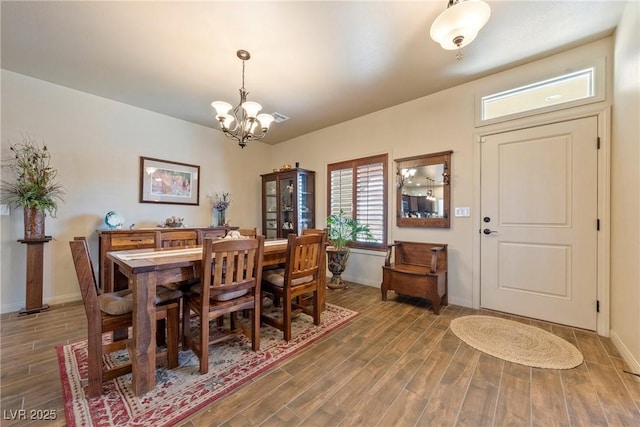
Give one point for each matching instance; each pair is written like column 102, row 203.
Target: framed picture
column 163, row 181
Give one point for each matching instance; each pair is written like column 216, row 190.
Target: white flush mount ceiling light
column 243, row 123
column 459, row 24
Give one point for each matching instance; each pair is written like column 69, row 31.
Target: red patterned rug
column 182, row 391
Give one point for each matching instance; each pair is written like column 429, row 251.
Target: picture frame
column 165, row 181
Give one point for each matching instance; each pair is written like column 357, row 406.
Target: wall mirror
column 423, row 190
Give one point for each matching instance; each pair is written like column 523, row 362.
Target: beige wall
column 625, row 189
column 96, row 144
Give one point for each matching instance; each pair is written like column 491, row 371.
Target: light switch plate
column 463, row 212
column 4, row 210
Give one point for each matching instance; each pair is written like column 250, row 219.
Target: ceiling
column 319, row 63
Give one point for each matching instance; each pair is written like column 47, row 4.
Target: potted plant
column 34, row 186
column 342, row 230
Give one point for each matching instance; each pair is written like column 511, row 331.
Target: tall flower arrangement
column 34, row 184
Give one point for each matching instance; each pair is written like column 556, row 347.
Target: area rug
column 182, row 391
column 516, row 342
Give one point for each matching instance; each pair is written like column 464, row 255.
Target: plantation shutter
column 341, row 192
column 358, row 187
column 370, row 198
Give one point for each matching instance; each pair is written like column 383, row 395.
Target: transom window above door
column 564, row 90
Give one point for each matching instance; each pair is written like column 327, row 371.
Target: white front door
column 539, row 222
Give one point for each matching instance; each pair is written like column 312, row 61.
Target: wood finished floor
column 397, row 364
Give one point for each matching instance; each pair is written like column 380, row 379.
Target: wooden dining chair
column 176, row 239
column 230, row 282
column 111, row 312
column 248, row 232
column 213, row 233
column 306, row 231
column 300, row 276
column 322, row 278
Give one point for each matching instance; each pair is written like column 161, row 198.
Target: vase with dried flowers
column 220, row 203
column 34, row 185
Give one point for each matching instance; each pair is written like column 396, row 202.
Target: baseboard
column 11, row 308
column 634, row 365
column 357, row 280
column 462, row 302
column 61, row 299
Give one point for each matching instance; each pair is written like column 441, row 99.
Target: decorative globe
column 113, row 220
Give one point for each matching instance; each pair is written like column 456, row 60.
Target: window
column 562, row 91
column 359, row 188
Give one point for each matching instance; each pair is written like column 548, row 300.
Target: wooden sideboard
column 120, row 240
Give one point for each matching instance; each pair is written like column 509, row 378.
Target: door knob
column 487, row 231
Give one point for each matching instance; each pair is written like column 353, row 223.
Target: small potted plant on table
column 342, row 231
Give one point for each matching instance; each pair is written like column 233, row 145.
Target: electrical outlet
column 463, row 212
column 4, row 210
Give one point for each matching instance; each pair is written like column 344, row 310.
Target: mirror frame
column 443, row 157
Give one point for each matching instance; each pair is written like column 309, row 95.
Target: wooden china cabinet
column 288, row 199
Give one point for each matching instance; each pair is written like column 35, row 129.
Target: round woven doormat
column 516, row 342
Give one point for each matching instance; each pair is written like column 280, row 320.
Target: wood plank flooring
column 397, row 364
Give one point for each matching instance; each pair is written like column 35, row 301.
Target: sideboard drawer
column 133, row 241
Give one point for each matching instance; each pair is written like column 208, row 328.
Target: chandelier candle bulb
column 251, row 108
column 221, row 107
column 226, row 120
column 265, row 120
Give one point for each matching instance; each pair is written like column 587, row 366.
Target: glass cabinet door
column 305, row 202
column 271, row 209
column 287, row 204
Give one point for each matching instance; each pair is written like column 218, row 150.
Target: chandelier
column 243, row 123
column 431, row 185
column 459, row 24
column 405, row 175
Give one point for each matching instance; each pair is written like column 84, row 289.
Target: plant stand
column 35, row 255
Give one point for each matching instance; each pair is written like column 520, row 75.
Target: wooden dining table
column 146, row 269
